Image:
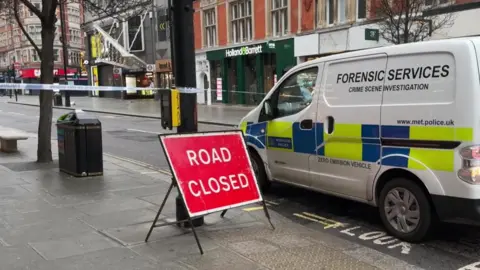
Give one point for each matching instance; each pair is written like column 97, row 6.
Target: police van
column 396, row 127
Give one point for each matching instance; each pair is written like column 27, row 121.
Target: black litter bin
column 57, row 99
column 79, row 138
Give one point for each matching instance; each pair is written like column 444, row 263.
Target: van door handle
column 331, row 124
column 306, row 124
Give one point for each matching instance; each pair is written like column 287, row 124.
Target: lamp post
column 183, row 65
column 65, row 50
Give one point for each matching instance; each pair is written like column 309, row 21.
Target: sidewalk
column 215, row 114
column 50, row 221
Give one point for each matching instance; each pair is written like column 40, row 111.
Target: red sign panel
column 213, row 170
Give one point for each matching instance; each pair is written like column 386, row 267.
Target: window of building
column 436, row 2
column 329, row 11
column 210, row 25
column 279, row 17
column 34, row 56
column 361, row 9
column 342, row 11
column 74, row 35
column 35, row 31
column 135, row 34
column 56, row 55
column 74, row 58
column 74, row 15
column 241, row 14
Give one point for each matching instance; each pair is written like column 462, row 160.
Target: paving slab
column 220, row 258
column 114, row 205
column 74, row 245
column 43, row 231
column 120, row 218
column 18, row 256
column 171, row 248
column 135, row 234
column 44, row 214
column 108, row 259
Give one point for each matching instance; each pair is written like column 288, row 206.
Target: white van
column 396, row 127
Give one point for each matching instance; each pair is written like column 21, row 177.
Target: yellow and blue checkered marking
column 361, row 142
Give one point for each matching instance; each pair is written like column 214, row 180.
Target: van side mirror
column 267, row 108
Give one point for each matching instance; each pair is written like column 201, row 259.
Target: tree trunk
column 44, row 150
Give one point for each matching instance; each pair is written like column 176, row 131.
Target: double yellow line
column 256, row 208
column 327, row 223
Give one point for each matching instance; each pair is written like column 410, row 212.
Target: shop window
column 295, row 93
column 329, row 11
column 361, row 9
column 241, row 25
column 279, row 17
column 216, row 76
column 135, row 34
column 269, row 70
column 252, row 96
column 210, row 25
column 342, row 11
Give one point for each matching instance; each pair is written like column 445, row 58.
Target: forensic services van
column 396, row 127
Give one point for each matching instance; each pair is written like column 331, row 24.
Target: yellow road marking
column 249, row 209
column 319, row 217
column 311, row 219
column 327, row 223
column 270, row 202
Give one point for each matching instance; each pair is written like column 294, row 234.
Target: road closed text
column 213, row 185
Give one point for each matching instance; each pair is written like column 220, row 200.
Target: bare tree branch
column 20, row 24
column 406, row 21
column 32, row 8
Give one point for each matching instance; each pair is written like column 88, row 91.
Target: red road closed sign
column 212, row 169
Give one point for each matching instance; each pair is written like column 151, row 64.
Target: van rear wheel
column 259, row 170
column 405, row 210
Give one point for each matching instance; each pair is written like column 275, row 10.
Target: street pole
column 65, row 50
column 183, row 59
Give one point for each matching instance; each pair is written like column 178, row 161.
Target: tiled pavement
column 51, row 221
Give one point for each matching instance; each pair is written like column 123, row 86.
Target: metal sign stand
column 265, row 209
column 189, row 219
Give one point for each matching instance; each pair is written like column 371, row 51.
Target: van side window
column 295, row 93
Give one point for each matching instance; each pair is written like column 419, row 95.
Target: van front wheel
column 405, row 210
column 259, row 170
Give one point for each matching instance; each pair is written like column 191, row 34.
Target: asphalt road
column 451, row 247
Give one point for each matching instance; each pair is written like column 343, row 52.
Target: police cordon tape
column 60, row 87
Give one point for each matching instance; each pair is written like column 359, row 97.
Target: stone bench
column 8, row 140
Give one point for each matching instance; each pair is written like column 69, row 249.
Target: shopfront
column 243, row 75
column 164, row 73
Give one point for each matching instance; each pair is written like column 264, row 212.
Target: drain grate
column 30, row 166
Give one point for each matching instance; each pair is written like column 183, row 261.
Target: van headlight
column 470, row 170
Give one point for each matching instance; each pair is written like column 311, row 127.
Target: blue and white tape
column 59, row 87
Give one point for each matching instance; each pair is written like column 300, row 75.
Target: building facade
column 134, row 52
column 244, row 46
column 18, row 57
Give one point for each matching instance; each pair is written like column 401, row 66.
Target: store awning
column 132, row 59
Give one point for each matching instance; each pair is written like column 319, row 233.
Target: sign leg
column 267, row 214
column 159, row 211
column 195, row 235
column 223, row 213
